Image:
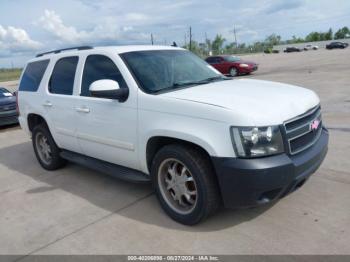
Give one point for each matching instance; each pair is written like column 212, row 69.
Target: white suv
column 161, row 114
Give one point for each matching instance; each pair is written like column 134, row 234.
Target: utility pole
column 151, row 38
column 207, row 43
column 234, row 32
column 190, row 38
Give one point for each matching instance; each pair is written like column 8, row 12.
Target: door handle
column 47, row 104
column 82, row 109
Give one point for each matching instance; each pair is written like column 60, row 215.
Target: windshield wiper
column 210, row 79
column 203, row 81
column 198, row 82
column 174, row 86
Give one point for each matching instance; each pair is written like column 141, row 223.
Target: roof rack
column 84, row 47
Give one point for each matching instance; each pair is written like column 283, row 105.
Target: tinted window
column 62, row 78
column 98, row 67
column 32, row 76
column 215, row 60
column 210, row 60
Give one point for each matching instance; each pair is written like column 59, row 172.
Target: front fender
column 212, row 136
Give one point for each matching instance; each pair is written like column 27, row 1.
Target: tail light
column 17, row 107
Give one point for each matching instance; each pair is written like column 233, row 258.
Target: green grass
column 9, row 74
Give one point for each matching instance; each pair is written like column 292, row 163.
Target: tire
column 233, row 72
column 200, row 178
column 49, row 157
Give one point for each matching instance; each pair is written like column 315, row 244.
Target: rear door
column 60, row 101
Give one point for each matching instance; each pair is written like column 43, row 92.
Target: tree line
column 220, row 46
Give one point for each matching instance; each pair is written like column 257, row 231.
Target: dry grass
column 10, row 74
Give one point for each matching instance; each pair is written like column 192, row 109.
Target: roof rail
column 84, row 47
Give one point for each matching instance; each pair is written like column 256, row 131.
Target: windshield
column 232, row 58
column 4, row 92
column 166, row 70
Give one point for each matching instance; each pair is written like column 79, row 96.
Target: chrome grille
column 303, row 131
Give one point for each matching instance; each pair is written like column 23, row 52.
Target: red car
column 231, row 65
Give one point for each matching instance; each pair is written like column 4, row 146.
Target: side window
column 98, row 67
column 210, row 60
column 62, row 78
column 219, row 60
column 215, row 60
column 32, row 76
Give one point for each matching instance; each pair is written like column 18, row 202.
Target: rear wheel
column 233, row 72
column 185, row 184
column 45, row 148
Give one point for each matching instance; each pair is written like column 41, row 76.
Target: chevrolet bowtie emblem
column 314, row 124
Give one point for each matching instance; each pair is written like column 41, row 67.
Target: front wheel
column 185, row 184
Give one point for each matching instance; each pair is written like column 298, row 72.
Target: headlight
column 257, row 141
column 243, row 65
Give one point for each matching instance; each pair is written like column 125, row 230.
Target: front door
column 106, row 128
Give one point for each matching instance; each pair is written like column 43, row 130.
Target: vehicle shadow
column 133, row 201
column 9, row 127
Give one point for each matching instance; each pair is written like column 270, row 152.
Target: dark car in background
column 335, row 45
column 8, row 108
column 231, row 65
column 292, row 49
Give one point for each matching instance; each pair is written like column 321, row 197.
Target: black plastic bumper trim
column 252, row 182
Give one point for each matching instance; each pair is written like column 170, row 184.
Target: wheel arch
column 35, row 119
column 155, row 143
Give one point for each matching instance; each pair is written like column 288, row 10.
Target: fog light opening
column 268, row 196
column 299, row 184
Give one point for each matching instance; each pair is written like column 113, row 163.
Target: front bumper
column 8, row 117
column 253, row 182
column 247, row 70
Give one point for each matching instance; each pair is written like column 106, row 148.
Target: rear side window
column 211, row 60
column 98, row 67
column 32, row 76
column 63, row 74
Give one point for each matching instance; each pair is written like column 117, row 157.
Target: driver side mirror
column 107, row 88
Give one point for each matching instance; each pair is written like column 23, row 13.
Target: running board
column 116, row 171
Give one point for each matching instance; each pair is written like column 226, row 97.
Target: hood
column 262, row 102
column 247, row 62
column 7, row 100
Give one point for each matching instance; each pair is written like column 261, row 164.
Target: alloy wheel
column 177, row 186
column 43, row 148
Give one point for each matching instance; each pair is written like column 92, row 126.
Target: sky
column 29, row 27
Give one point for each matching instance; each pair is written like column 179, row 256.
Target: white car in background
column 310, row 47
